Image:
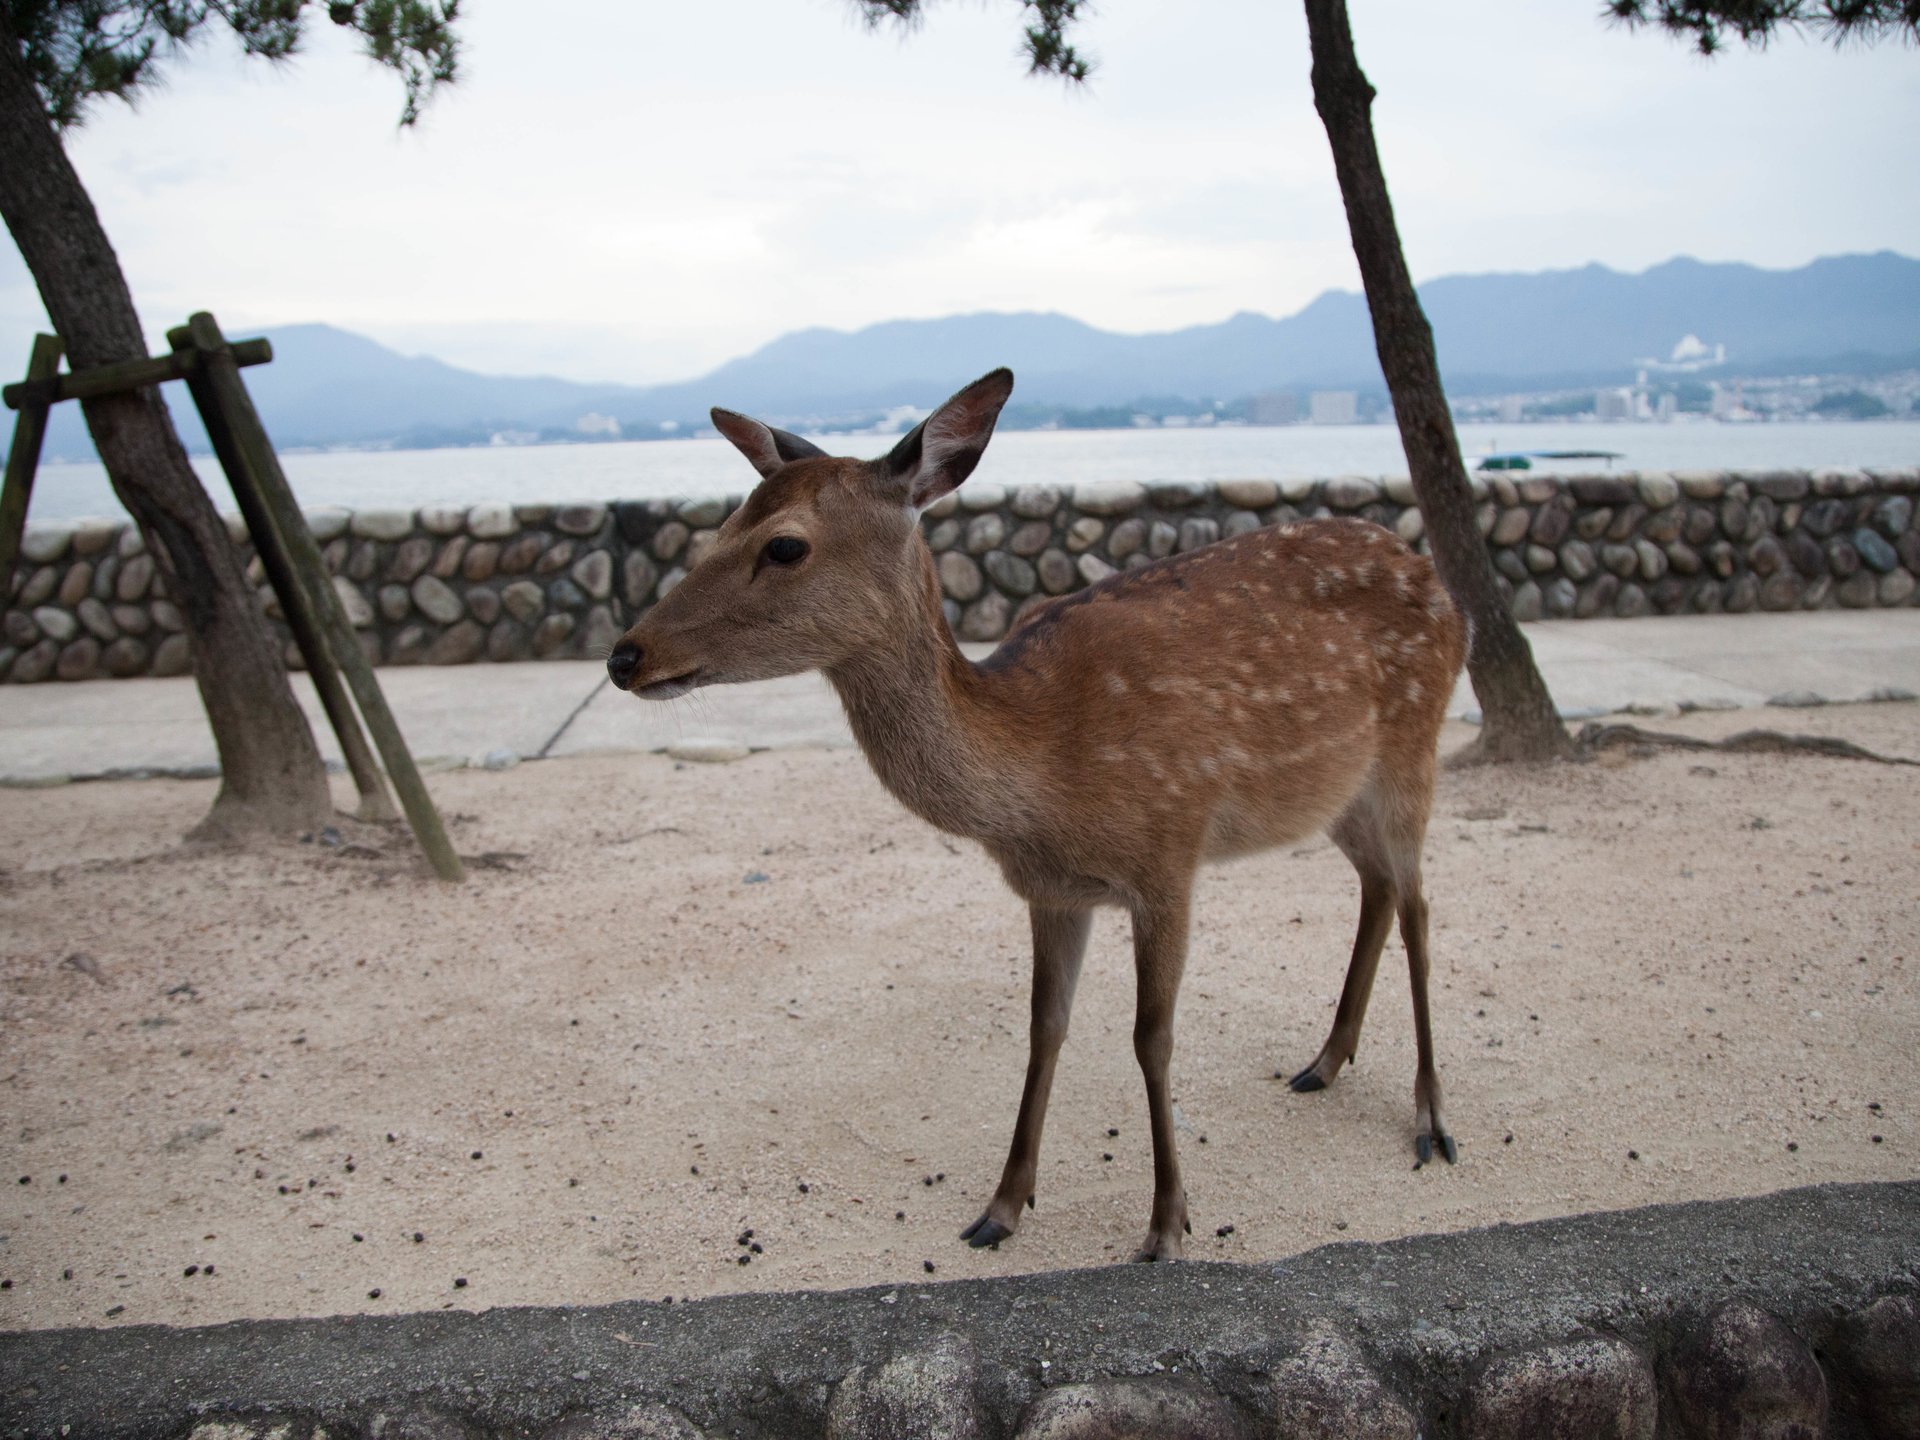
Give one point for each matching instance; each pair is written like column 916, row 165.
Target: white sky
column 637, row 191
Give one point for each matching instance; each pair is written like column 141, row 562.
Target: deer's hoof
column 984, row 1232
column 1424, row 1142
column 1306, row 1082
column 1158, row 1249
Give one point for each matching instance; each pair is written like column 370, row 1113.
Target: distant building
column 594, row 423
column 1275, row 407
column 1511, row 407
column 1613, row 404
column 1334, row 407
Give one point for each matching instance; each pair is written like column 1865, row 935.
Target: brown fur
column 1230, row 699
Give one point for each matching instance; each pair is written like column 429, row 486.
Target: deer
column 1223, row 700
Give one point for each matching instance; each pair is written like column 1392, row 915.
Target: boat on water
column 1523, row 459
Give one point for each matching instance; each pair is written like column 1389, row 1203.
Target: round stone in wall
column 79, row 660
column 1239, row 522
column 551, row 633
column 55, row 623
column 601, row 632
column 1010, row 573
column 593, row 573
column 1198, row 530
column 45, row 541
column 97, row 619
column 75, row 583
column 669, row 540
column 1084, row 534
column 524, row 600
column 1033, row 502
column 1109, row 499
column 1128, row 536
column 637, row 577
column 1352, row 492
column 482, row 560
column 124, row 657
column 986, row 618
column 39, row 586
column 1031, row 538
column 436, row 600
column 1248, row 494
column 35, row 663
column 1056, row 571
column 458, row 645
column 358, row 612
column 136, row 576
column 382, row 524
column 173, row 657
column 984, row 533
column 1176, row 494
column 439, row 520
column 519, row 554
column 581, row 520
column 1093, row 569
column 491, row 521
column 959, row 576
column 410, row 559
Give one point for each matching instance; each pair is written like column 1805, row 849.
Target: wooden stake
column 50, row 388
column 29, row 430
column 376, row 803
column 261, row 469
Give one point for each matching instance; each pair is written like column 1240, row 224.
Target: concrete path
column 455, row 714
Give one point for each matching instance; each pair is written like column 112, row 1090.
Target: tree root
column 1596, row 737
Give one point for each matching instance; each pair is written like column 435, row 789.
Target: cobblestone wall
column 445, row 586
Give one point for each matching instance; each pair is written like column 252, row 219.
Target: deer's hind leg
column 1358, row 834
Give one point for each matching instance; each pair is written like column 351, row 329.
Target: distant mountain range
column 1495, row 333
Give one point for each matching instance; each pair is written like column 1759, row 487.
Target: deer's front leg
column 1160, row 955
column 1059, row 942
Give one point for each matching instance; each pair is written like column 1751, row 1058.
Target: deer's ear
column 766, row 448
column 941, row 451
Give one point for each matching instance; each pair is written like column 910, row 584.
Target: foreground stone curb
column 1791, row 1314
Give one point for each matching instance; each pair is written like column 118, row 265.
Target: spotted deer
column 1225, row 700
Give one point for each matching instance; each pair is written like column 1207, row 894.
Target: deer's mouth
column 671, row 688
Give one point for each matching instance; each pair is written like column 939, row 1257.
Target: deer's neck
column 920, row 711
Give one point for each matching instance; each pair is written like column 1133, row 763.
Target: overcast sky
column 637, row 191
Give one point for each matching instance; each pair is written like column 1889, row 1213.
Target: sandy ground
column 760, row 996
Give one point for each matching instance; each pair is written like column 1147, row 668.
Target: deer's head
column 814, row 566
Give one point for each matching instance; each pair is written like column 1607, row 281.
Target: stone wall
column 444, row 586
column 1788, row 1315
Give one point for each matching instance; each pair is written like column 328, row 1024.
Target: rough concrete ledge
column 1792, row 1314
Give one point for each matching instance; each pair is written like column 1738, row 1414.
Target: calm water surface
column 636, row 470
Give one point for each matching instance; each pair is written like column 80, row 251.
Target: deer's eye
column 785, row 550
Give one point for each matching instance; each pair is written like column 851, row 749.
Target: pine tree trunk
column 272, row 780
column 1518, row 721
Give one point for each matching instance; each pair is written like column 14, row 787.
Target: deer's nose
column 623, row 663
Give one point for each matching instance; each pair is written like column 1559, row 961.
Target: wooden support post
column 50, row 388
column 23, row 458
column 261, row 470
column 376, row 803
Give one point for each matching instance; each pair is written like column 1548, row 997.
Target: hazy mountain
column 326, row 386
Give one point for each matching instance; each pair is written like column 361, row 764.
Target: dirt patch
column 309, row 1079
